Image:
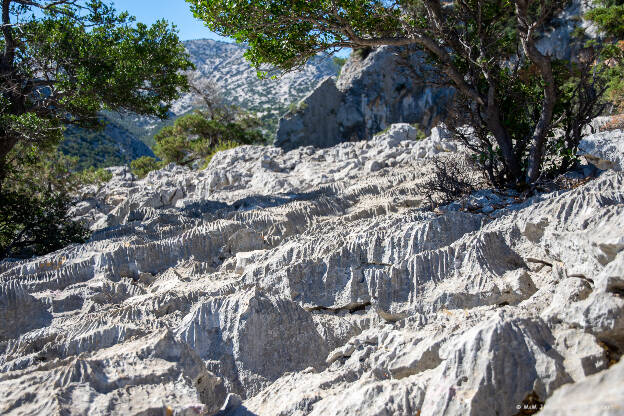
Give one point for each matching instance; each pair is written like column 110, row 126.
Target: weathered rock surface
column 604, row 150
column 316, row 282
column 599, row 394
column 372, row 92
column 377, row 88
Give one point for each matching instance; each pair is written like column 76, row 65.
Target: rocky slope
column 374, row 90
column 318, row 282
column 224, row 64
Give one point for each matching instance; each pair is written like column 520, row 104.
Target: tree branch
column 9, row 42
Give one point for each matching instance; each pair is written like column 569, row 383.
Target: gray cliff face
column 315, row 121
column 394, row 85
column 372, row 92
column 317, row 282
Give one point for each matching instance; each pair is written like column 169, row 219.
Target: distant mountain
column 128, row 137
column 224, row 64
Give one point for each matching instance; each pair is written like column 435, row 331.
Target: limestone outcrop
column 373, row 91
column 605, row 150
column 380, row 87
column 320, row 282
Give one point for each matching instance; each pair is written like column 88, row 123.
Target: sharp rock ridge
column 316, row 282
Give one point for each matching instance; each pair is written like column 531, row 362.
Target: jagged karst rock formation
column 374, row 90
column 315, row 282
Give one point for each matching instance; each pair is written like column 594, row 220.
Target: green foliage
column 112, row 146
column 609, row 17
column 195, row 136
column 521, row 98
column 297, row 106
column 506, row 89
column 93, row 176
column 64, row 62
column 420, row 133
column 339, row 62
column 36, row 225
column 384, row 131
column 91, row 148
column 293, row 107
column 144, row 165
column 616, row 86
column 36, row 198
column 304, row 28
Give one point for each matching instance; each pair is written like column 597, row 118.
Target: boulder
column 605, row 150
column 375, row 89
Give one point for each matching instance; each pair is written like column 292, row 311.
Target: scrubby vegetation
column 194, row 138
column 62, row 63
column 92, row 148
column 609, row 17
column 144, row 165
column 38, row 191
column 297, row 106
column 339, row 62
column 451, row 179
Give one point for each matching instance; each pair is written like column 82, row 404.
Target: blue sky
column 175, row 11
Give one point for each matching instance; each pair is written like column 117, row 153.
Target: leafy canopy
column 486, row 49
column 286, row 33
column 64, row 61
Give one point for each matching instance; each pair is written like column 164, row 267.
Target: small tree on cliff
column 62, row 61
column 483, row 47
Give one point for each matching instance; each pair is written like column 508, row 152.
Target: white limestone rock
column 598, row 395
column 302, row 282
column 605, row 150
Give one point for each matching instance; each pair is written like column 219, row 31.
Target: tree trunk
column 501, row 135
column 543, row 126
column 8, row 54
column 544, row 65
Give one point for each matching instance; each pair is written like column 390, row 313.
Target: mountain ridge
column 220, row 62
